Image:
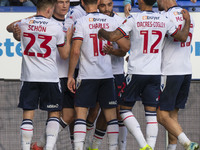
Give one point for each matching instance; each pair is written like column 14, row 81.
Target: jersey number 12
column 146, row 34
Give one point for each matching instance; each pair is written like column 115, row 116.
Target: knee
column 68, row 118
column 162, row 119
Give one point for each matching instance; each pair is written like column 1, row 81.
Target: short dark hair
column 90, row 2
column 150, row 2
column 44, row 3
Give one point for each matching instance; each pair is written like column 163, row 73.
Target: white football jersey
column 94, row 64
column 63, row 65
column 40, row 37
column 176, row 55
column 147, row 31
column 117, row 62
column 74, row 13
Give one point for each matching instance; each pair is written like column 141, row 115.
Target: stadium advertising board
column 10, row 49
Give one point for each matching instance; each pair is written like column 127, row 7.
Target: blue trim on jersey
column 121, row 31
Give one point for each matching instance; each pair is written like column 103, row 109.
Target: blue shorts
column 68, row 96
column 45, row 94
column 118, row 80
column 174, row 92
column 90, row 91
column 140, row 87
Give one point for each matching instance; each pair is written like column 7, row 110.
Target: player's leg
column 63, row 123
column 108, row 104
column 112, row 127
column 71, row 130
column 92, row 115
column 68, row 112
column 151, row 126
column 171, row 138
column 174, row 95
column 130, row 93
column 119, row 78
column 132, row 125
column 172, row 126
column 51, row 101
column 100, row 131
column 80, row 127
column 67, row 117
column 85, row 97
column 122, row 140
column 172, row 142
column 28, row 101
column 150, row 96
column 26, row 129
column 52, row 129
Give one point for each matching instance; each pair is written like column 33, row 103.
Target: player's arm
column 65, row 50
column 73, row 60
column 183, row 34
column 108, row 49
column 112, row 36
column 124, row 44
column 17, row 32
column 10, row 27
column 127, row 7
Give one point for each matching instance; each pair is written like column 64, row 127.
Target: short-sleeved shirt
column 176, row 55
column 94, row 64
column 74, row 13
column 117, row 62
column 62, row 64
column 40, row 37
column 147, row 31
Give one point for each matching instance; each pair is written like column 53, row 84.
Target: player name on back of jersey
column 37, row 25
column 178, row 16
column 150, row 21
column 96, row 23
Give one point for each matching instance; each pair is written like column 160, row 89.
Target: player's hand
column 69, row 33
column 71, row 84
column 108, row 49
column 194, row 1
column 16, row 32
column 185, row 14
column 127, row 9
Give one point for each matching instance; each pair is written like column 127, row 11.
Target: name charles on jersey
column 98, row 25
